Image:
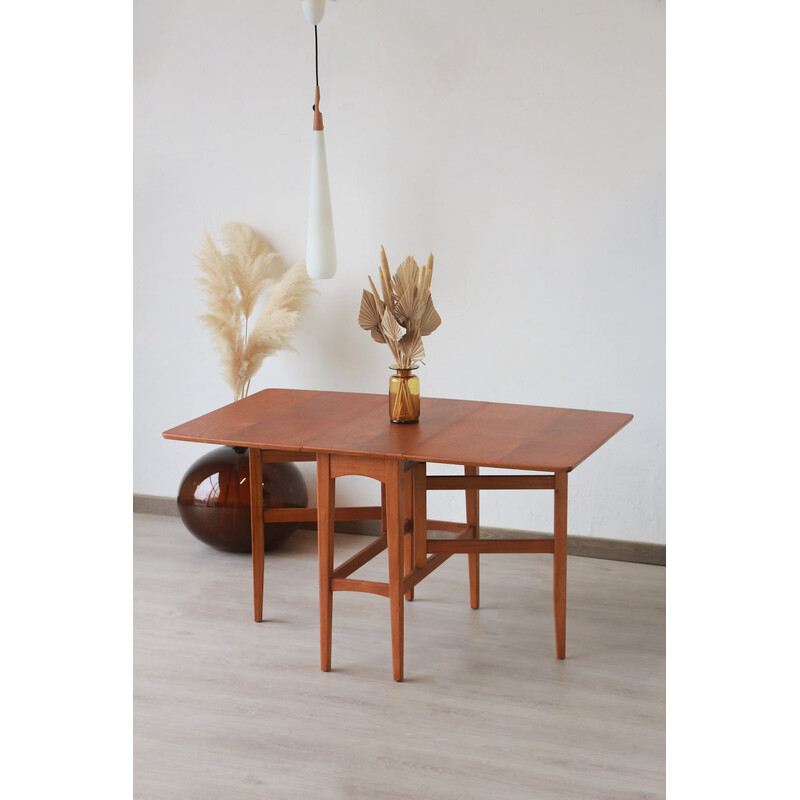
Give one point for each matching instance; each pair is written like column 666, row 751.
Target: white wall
column 522, row 142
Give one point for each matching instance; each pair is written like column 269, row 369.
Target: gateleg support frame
column 405, row 537
column 390, row 473
column 412, row 556
column 260, row 515
column 473, row 545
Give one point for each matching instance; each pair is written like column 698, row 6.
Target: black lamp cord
column 316, row 56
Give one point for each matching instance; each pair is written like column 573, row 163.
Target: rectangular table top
column 504, row 435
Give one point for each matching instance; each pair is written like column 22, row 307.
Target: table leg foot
column 408, row 519
column 326, row 503
column 473, row 519
column 395, row 547
column 257, row 531
column 560, row 563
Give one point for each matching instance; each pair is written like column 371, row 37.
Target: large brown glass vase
column 214, row 499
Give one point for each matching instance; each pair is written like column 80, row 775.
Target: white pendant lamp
column 321, row 246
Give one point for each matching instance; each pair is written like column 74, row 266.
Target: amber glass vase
column 404, row 395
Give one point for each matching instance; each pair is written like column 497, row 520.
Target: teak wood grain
column 503, row 435
column 350, row 434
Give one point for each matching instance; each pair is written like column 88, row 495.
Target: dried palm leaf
column 430, row 319
column 386, row 287
column 426, row 287
column 381, row 306
column 402, row 312
column 369, row 316
column 408, row 308
column 392, row 333
column 412, row 347
column 391, row 330
column 406, row 275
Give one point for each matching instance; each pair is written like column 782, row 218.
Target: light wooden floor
column 228, row 708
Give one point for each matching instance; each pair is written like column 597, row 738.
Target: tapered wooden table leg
column 408, row 506
column 394, row 536
column 326, row 502
column 560, row 562
column 473, row 519
column 419, row 505
column 257, row 531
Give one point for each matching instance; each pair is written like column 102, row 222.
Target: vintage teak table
column 351, row 434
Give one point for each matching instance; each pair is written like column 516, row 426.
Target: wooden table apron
column 350, row 434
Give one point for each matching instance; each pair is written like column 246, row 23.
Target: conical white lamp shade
column 314, row 10
column 321, row 246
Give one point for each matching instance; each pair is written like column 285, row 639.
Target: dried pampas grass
column 402, row 312
column 233, row 280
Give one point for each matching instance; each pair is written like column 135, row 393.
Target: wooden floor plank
column 226, row 707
